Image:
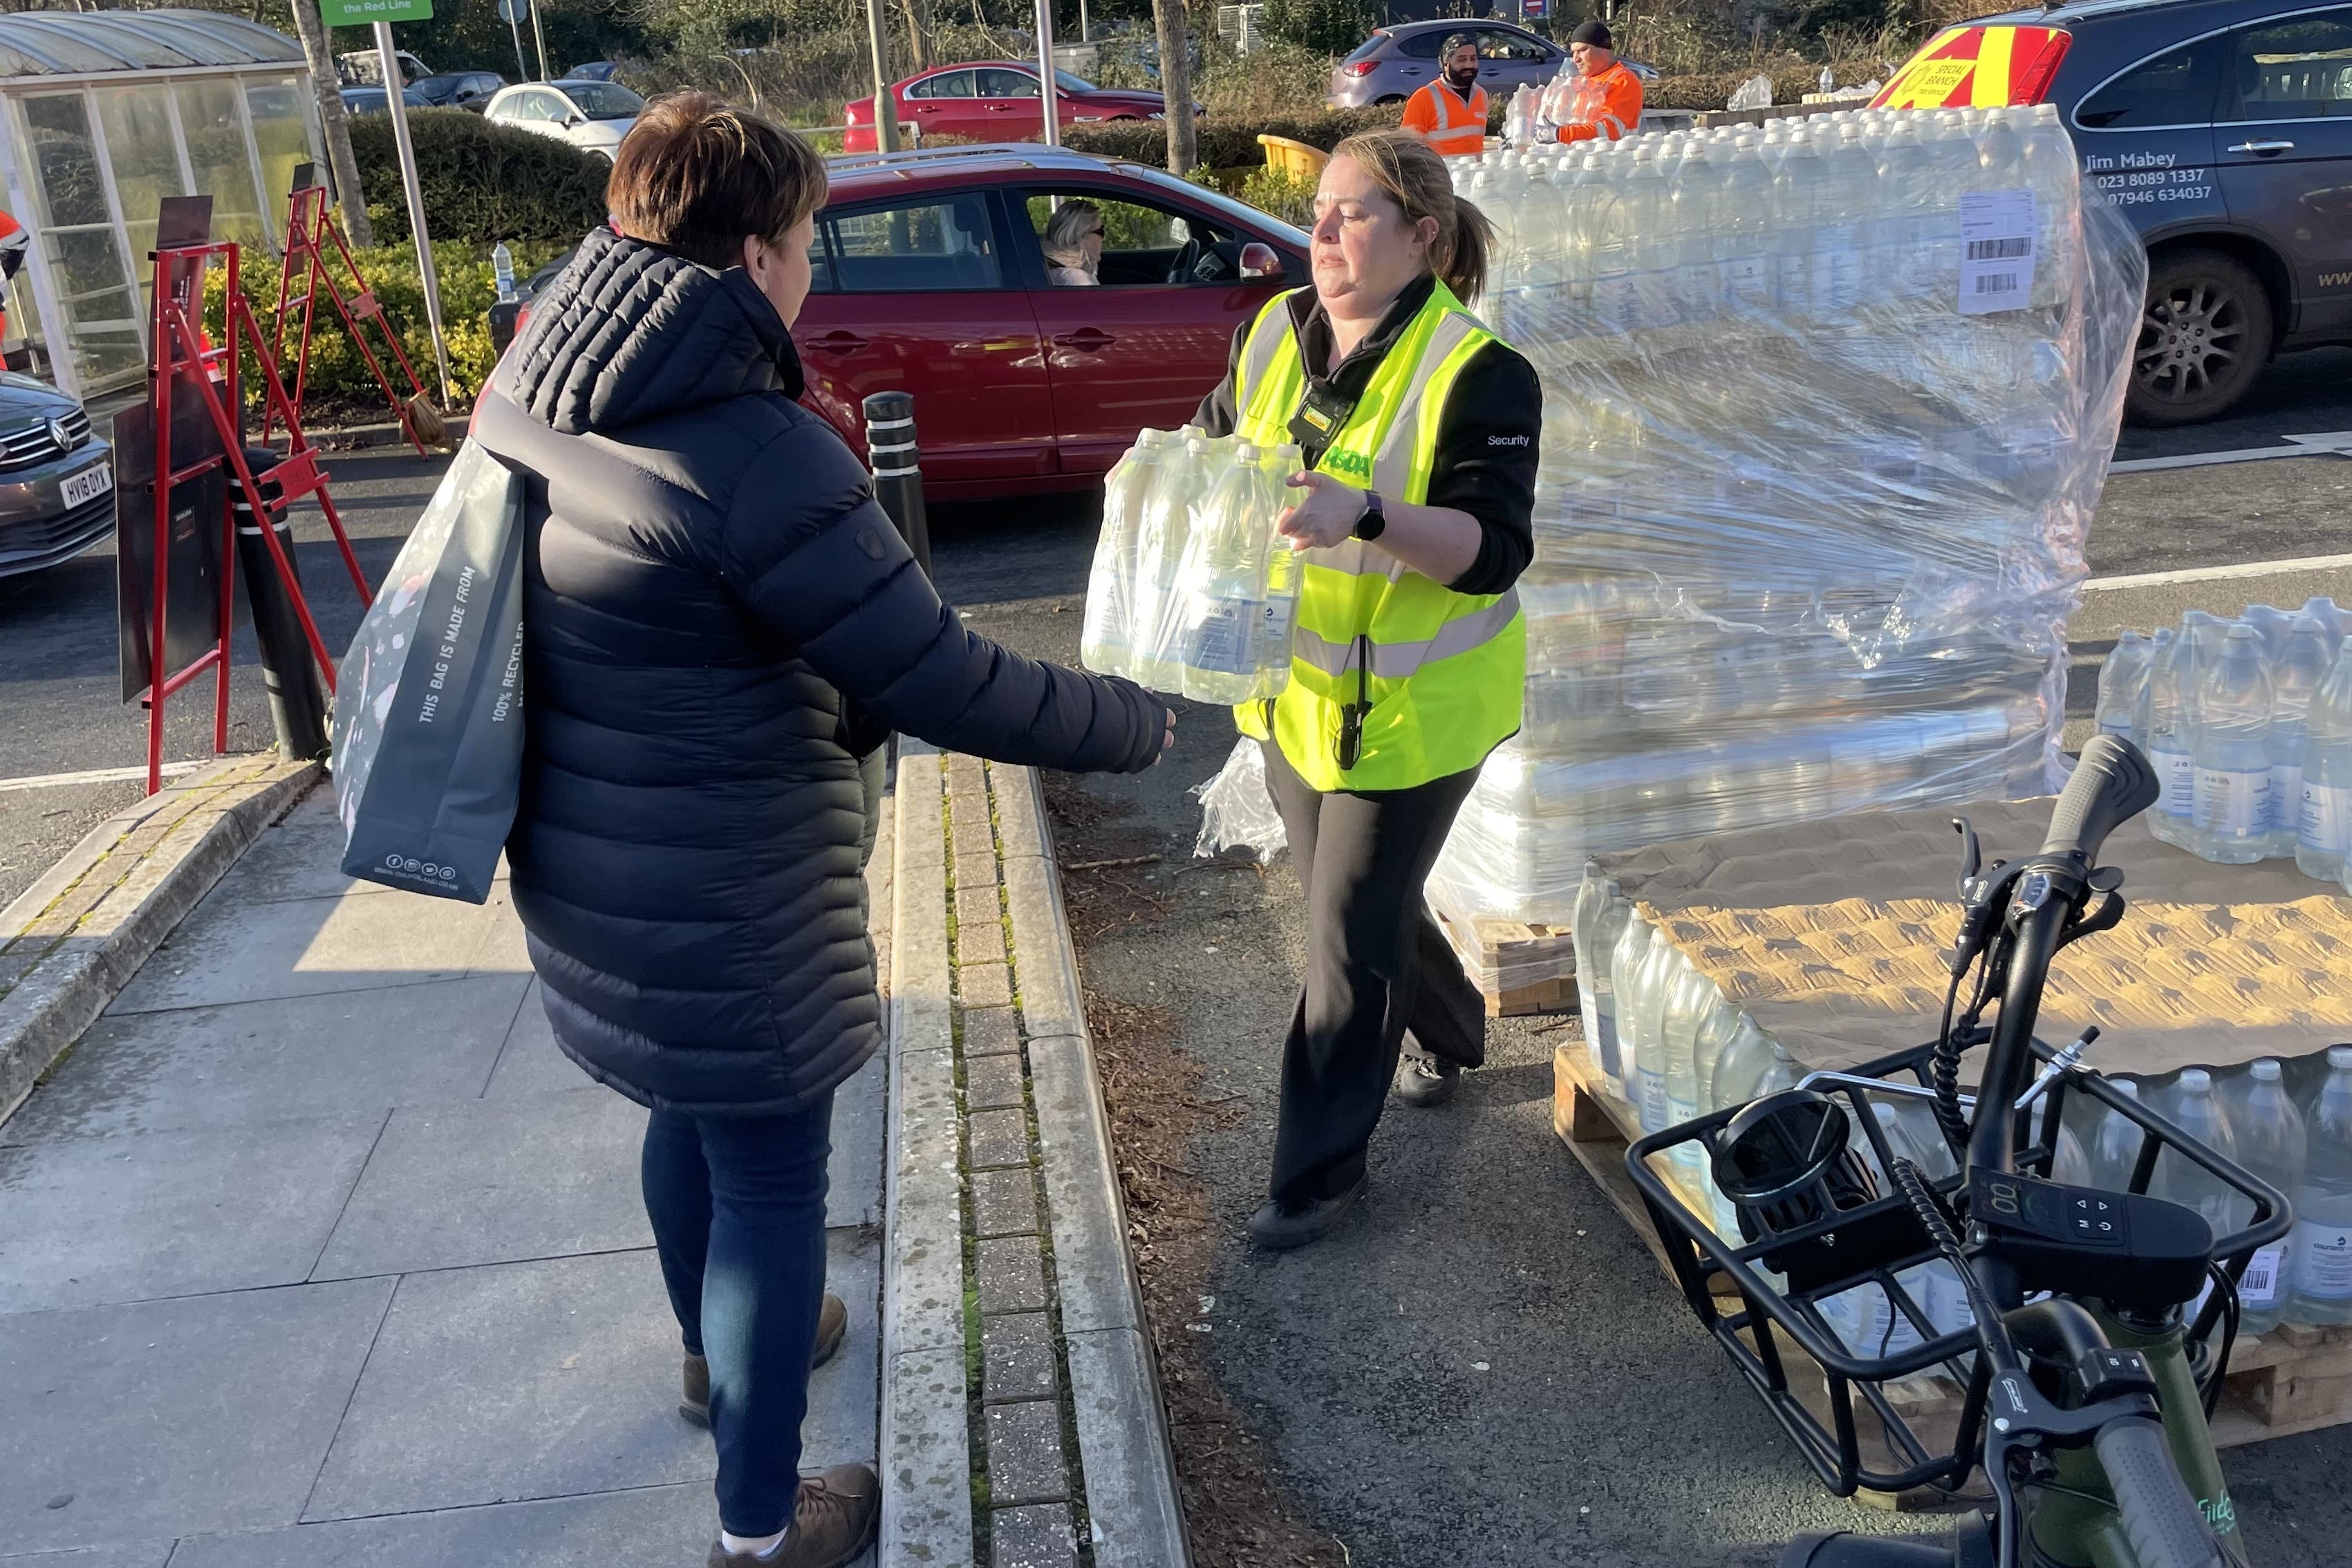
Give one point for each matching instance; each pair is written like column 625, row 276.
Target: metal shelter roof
column 79, row 43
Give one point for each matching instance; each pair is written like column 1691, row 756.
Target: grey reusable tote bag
column 429, row 704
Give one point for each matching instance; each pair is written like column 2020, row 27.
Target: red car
column 996, row 100
column 929, row 279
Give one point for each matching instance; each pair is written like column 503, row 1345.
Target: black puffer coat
column 714, row 606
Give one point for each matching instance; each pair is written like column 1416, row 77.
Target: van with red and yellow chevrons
column 2224, row 129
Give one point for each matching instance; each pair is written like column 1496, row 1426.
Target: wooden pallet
column 1519, row 967
column 2295, row 1378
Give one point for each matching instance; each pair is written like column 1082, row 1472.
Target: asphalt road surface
column 61, row 707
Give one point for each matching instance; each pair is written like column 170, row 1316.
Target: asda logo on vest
column 1348, row 464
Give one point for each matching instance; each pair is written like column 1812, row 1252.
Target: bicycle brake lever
column 1983, row 898
column 2106, row 915
column 1971, row 852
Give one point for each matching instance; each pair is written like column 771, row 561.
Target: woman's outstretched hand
column 1326, row 515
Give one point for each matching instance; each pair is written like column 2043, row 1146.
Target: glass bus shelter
column 107, row 112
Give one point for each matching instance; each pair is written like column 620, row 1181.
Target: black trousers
column 1377, row 966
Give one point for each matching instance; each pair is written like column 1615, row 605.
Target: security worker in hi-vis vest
column 1418, row 428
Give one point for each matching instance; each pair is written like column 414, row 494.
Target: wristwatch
column 1373, row 521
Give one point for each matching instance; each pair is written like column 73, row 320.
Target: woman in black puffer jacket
column 719, row 621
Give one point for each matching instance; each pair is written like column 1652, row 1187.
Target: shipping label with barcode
column 1996, row 250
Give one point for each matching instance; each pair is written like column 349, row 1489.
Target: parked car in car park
column 996, row 100
column 374, row 100
column 56, row 477
column 2223, row 128
column 459, row 90
column 928, row 278
column 591, row 115
column 364, row 67
column 1396, row 62
column 595, row 71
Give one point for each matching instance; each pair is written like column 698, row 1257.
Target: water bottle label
column 2176, row 781
column 1677, row 1112
column 2259, row 1287
column 1653, row 1098
column 2233, row 803
column 1997, row 229
column 1749, row 280
column 2323, row 1262
column 1221, row 637
column 1273, row 630
column 2118, row 726
column 2321, row 823
column 1605, row 1048
column 2286, row 795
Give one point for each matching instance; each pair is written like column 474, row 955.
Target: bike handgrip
column 2113, row 784
column 2161, row 1522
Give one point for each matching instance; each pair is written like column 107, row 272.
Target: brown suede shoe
column 833, row 1522
column 832, row 1328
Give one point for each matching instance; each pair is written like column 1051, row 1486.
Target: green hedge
column 468, row 288
column 482, row 183
column 1228, row 143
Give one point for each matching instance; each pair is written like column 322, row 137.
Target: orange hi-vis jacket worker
column 1606, row 99
column 1450, row 113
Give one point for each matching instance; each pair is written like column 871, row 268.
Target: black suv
column 2224, row 127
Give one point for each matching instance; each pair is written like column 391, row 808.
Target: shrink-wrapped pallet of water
column 1827, row 409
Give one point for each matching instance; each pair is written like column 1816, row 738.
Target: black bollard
column 898, row 470
column 298, row 701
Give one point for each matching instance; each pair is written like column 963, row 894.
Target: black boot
column 1425, row 1081
column 1278, row 1227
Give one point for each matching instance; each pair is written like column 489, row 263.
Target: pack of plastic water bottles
column 2249, row 722
column 1192, row 590
column 1827, row 410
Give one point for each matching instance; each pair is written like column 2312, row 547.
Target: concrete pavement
column 317, row 1249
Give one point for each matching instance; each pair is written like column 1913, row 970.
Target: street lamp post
column 1045, row 93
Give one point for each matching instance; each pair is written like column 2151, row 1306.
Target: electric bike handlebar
column 2160, row 1520
column 2113, row 784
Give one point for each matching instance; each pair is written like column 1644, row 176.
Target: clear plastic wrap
column 1192, row 590
column 1827, row 412
column 1236, row 810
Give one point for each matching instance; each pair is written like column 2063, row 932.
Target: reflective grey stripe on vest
column 1403, row 660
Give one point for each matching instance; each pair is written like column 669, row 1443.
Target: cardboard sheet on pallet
column 1832, row 935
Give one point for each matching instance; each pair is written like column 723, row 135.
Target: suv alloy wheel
column 2204, row 336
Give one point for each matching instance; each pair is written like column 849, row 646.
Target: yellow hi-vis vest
column 1443, row 672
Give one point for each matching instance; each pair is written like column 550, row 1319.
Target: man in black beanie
column 1604, row 98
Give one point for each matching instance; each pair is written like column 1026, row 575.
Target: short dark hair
column 695, row 177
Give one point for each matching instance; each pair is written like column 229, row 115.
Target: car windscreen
column 1069, row 83
column 1980, row 67
column 605, row 99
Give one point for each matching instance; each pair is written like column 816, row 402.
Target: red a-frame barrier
column 182, row 351
column 310, row 229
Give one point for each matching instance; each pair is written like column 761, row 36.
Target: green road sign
column 360, row 13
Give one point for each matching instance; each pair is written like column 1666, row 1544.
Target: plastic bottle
column 1743, row 234
column 1663, row 972
column 1593, row 899
column 1221, row 583
column 1631, row 956
column 2199, row 1111
column 1104, row 642
column 2271, row 1145
column 2229, row 738
column 2295, row 674
column 2325, row 809
column 1156, row 654
column 502, row 265
column 1796, row 188
column 2323, row 1204
column 1645, row 207
column 2163, row 720
column 2114, row 1142
column 1694, row 996
column 2120, row 680
column 1905, row 178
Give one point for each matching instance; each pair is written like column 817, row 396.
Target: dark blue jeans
column 737, row 1210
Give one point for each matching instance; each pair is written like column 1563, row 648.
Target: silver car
column 1396, row 62
column 57, row 479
